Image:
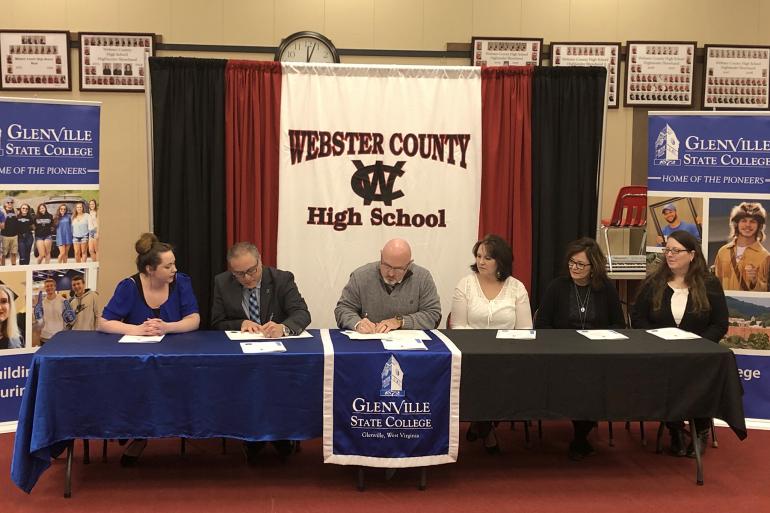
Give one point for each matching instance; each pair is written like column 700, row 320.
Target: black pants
column 582, row 428
column 701, row 425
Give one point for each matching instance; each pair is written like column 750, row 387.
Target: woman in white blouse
column 490, row 298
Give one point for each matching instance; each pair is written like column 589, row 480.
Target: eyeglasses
column 397, row 270
column 248, row 272
column 577, row 265
column 674, row 251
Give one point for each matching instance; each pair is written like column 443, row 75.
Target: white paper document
column 602, row 334
column 673, row 334
column 391, row 335
column 140, row 339
column 517, row 334
column 404, row 344
column 245, row 335
column 263, row 347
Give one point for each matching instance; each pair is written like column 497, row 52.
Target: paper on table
column 404, row 344
column 673, row 334
column 516, row 334
column 245, row 335
column 391, row 335
column 140, row 339
column 263, row 347
column 602, row 334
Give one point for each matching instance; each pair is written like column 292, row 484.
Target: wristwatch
column 400, row 319
column 287, row 332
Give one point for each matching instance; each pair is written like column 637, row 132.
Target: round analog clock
column 307, row 47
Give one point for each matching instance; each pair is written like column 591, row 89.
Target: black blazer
column 554, row 309
column 711, row 324
column 279, row 301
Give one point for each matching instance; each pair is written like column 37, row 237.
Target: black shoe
column 471, row 435
column 702, row 440
column 131, row 455
column 677, row 443
column 490, row 443
column 284, row 447
column 251, row 450
column 580, row 449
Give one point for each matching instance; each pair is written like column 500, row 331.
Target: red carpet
column 624, row 478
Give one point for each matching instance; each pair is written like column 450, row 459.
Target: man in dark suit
column 258, row 299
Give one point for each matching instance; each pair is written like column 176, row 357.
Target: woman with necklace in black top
column 583, row 299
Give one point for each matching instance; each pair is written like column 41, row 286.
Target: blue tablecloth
column 195, row 385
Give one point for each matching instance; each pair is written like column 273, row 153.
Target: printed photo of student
column 13, row 309
column 743, row 263
column 48, row 310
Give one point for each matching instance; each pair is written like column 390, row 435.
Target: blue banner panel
column 48, row 143
column 755, row 376
column 392, row 408
column 13, row 376
column 709, row 153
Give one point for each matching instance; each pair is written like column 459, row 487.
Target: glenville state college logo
column 377, row 182
column 392, row 416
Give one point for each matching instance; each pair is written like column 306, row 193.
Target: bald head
column 395, row 258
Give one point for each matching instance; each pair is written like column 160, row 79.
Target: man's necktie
column 253, row 306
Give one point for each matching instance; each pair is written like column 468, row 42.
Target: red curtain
column 506, row 173
column 252, row 132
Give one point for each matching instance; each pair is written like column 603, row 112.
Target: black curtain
column 567, row 117
column 188, row 197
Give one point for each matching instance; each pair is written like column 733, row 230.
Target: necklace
column 582, row 304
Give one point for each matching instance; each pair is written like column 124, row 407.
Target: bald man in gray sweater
column 391, row 294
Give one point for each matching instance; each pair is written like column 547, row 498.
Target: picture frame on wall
column 605, row 55
column 114, row 61
column 735, row 77
column 505, row 51
column 35, row 60
column 659, row 73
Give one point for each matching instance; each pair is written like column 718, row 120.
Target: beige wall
column 380, row 24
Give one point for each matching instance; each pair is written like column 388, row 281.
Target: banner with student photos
column 706, row 172
column 49, row 227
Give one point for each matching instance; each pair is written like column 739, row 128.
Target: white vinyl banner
column 371, row 153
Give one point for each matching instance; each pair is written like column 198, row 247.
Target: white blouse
column 509, row 310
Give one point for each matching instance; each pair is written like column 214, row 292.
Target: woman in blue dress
column 63, row 222
column 154, row 301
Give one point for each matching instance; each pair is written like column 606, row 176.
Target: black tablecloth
column 562, row 374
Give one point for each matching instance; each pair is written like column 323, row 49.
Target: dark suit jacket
column 279, row 301
column 711, row 325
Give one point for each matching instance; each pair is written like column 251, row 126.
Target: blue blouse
column 128, row 304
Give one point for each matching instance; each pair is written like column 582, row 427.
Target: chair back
column 630, row 207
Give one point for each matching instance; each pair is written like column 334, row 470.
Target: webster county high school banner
column 373, row 153
column 390, row 408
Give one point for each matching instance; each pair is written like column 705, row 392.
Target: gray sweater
column 415, row 299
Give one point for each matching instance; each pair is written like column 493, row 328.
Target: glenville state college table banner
column 370, row 153
column 390, row 408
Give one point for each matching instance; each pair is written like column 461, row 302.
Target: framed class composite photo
column 659, row 73
column 114, row 61
column 606, row 55
column 35, row 60
column 735, row 77
column 505, row 51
